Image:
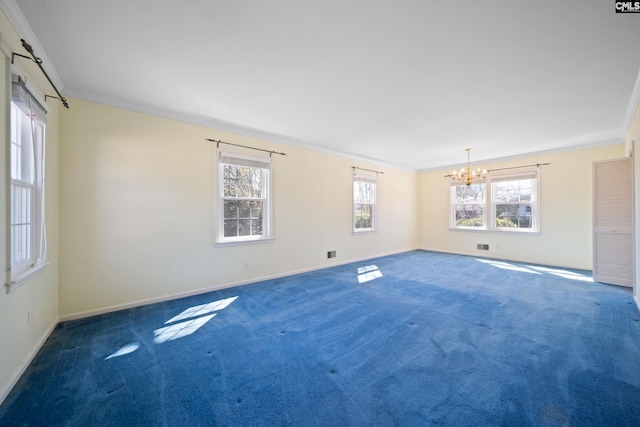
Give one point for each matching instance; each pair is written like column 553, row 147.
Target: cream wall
column 137, row 211
column 28, row 313
column 565, row 238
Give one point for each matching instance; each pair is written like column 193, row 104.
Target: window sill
column 243, row 242
column 24, row 276
column 495, row 230
column 365, row 231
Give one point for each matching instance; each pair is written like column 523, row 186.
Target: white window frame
column 453, row 204
column 26, row 215
column 240, row 159
column 368, row 177
column 522, row 174
column 490, row 201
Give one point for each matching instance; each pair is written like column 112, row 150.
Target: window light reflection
column 563, row 273
column 200, row 310
column 189, row 321
column 368, row 273
column 179, row 330
column 129, row 348
column 507, row 266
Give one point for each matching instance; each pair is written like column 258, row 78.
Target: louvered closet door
column 613, row 221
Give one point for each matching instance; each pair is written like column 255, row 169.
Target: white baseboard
column 6, row 389
column 494, row 255
column 109, row 309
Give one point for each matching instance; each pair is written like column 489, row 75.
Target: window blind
column 25, row 101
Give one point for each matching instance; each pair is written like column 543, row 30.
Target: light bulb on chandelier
column 467, row 176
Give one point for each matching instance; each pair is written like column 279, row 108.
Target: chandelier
column 467, row 176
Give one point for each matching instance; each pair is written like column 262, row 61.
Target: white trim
column 104, row 310
column 607, row 139
column 13, row 380
column 24, row 276
column 221, row 125
column 266, row 198
column 634, row 104
column 243, row 242
column 22, row 27
column 637, row 300
column 491, row 255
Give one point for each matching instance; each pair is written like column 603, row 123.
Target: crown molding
column 22, row 27
column 221, row 125
column 601, row 140
column 634, row 105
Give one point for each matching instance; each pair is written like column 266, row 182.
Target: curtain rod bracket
column 38, row 61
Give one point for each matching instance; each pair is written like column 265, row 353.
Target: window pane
column 256, row 210
column 230, row 209
column 363, row 216
column 513, row 215
column 256, row 183
column 244, row 227
column 230, row 228
column 513, row 191
column 469, row 215
column 244, row 209
column 363, row 192
column 468, row 205
column 256, row 227
column 230, row 181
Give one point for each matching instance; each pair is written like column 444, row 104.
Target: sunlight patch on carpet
column 507, row 266
column 179, row 330
column 368, row 273
column 563, row 273
column 190, row 320
column 129, row 348
column 199, row 310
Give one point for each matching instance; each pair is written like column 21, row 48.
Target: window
column 244, row 185
column 364, row 200
column 507, row 202
column 513, row 202
column 467, row 205
column 27, row 236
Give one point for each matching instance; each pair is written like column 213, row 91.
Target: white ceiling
column 410, row 83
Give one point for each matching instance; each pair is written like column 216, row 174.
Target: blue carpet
column 415, row 339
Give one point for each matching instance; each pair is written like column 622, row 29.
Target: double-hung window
column 244, row 195
column 468, row 205
column 364, row 200
column 514, row 202
column 503, row 202
column 27, row 235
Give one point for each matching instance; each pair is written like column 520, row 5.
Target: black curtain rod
column 512, row 167
column 218, row 142
column 518, row 167
column 38, row 61
column 369, row 170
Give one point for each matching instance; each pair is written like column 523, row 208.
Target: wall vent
column 483, row 247
column 331, row 254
